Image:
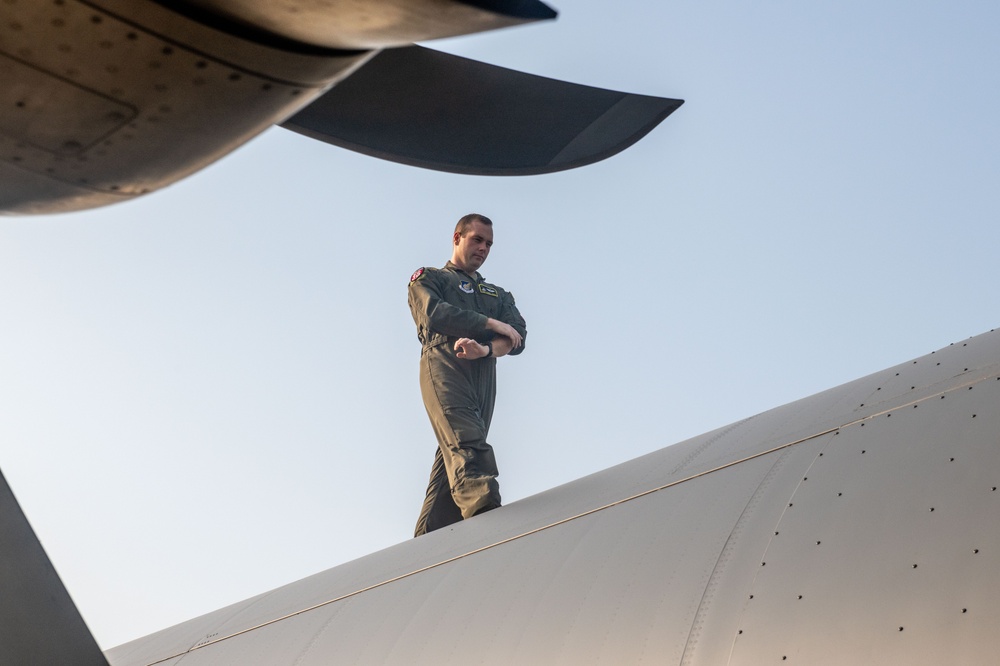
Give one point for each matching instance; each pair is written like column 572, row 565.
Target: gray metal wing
column 855, row 526
column 429, row 109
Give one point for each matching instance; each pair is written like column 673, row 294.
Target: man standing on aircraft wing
column 464, row 325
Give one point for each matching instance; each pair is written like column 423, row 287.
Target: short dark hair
column 466, row 222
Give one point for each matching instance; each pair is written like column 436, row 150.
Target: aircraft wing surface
column 858, row 525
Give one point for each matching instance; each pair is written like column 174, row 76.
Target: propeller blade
column 39, row 623
column 438, row 111
column 526, row 10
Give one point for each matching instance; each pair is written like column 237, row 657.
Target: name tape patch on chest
column 489, row 291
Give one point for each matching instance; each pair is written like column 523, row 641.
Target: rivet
column 932, row 509
column 965, row 610
column 900, row 628
column 800, row 596
column 975, row 551
column 840, row 494
column 818, row 542
column 914, row 566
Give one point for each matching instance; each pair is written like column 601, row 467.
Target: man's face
column 472, row 249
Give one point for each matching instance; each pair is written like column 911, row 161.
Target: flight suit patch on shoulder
column 489, row 291
column 417, row 274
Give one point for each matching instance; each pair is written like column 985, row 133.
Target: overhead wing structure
column 366, row 24
column 102, row 101
column 855, row 526
column 429, row 109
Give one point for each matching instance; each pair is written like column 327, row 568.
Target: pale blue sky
column 212, row 391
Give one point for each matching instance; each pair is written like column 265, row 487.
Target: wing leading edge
column 434, row 110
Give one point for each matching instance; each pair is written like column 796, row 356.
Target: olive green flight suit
column 448, row 304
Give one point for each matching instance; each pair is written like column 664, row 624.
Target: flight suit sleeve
column 433, row 314
column 509, row 314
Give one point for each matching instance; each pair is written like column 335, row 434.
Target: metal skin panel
column 890, row 544
column 125, row 102
column 601, row 587
column 855, row 526
column 373, row 24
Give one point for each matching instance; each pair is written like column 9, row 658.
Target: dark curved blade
column 530, row 10
column 430, row 109
column 39, row 623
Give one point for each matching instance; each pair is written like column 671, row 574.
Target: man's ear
column 456, row 237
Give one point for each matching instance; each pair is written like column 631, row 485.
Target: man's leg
column 439, row 509
column 450, row 397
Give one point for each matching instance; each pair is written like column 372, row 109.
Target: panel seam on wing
column 583, row 514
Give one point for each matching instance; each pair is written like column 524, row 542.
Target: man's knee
column 476, row 494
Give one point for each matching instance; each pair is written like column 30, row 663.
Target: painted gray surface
column 855, row 526
column 373, row 24
column 109, row 100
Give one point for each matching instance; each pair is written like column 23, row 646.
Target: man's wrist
column 489, row 348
